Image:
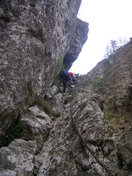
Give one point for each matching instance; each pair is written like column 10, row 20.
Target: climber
column 67, row 76
column 72, row 78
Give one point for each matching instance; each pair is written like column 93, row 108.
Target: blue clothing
column 66, row 77
column 66, row 72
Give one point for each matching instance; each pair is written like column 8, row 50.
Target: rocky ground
column 49, row 145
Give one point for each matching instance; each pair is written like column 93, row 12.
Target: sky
column 108, row 20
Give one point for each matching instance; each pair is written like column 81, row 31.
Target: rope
column 110, row 172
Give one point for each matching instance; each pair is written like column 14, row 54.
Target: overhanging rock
column 77, row 42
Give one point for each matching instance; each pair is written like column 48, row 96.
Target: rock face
column 34, row 35
column 78, row 38
column 18, row 158
column 61, row 153
column 87, row 131
column 112, row 79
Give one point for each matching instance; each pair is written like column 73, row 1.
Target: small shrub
column 60, row 66
column 95, row 83
column 107, row 64
column 56, row 114
column 45, row 105
column 112, row 119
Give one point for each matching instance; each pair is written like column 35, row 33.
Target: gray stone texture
column 17, row 158
column 33, row 36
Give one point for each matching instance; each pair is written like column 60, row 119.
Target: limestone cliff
column 34, row 36
column 87, row 131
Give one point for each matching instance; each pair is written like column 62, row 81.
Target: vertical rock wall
column 34, row 35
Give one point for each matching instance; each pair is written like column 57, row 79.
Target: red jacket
column 70, row 73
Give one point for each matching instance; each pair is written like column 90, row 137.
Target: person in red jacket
column 72, row 78
column 67, row 76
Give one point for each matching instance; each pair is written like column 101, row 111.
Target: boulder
column 36, row 125
column 17, row 158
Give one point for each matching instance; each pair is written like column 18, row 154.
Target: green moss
column 46, row 106
column 32, row 174
column 113, row 120
column 107, row 67
column 107, row 64
column 56, row 114
column 95, row 83
column 60, row 66
column 30, row 96
column 110, row 114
